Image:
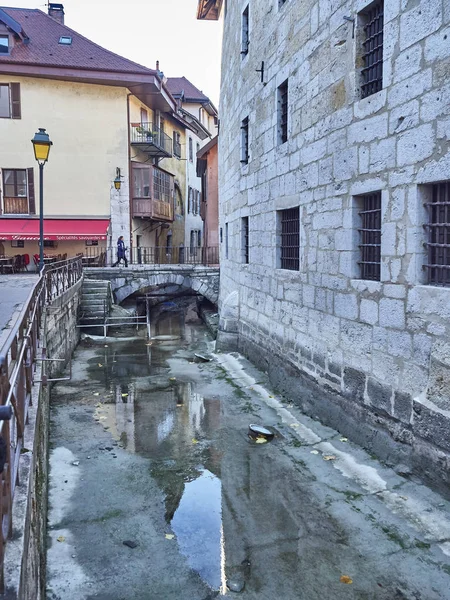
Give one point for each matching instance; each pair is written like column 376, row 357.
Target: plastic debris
column 329, row 457
column 314, row 452
column 343, row 439
column 169, row 536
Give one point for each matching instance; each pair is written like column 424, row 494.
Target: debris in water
column 236, row 585
column 343, row 439
column 329, row 457
column 314, row 452
column 261, row 440
column 172, row 378
column 169, row 536
column 130, row 543
column 61, row 538
column 294, row 425
column 96, row 393
column 124, row 395
column 257, row 431
column 100, row 365
column 194, row 441
column 346, row 579
column 202, row 358
column 76, row 463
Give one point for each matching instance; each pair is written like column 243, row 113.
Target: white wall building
column 200, row 111
column 334, row 178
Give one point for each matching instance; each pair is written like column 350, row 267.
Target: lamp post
column 41, row 144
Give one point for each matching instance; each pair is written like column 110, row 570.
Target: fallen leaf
column 270, row 396
column 100, row 365
column 149, row 344
column 404, row 497
column 261, row 440
column 194, row 441
column 314, row 452
column 346, row 579
column 343, row 439
column 172, row 378
column 169, row 536
column 329, row 457
column 294, row 424
column 96, row 393
column 124, row 395
column 61, row 538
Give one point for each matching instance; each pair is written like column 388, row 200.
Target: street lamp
column 117, row 180
column 41, row 144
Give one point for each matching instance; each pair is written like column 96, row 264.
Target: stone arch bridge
column 135, row 278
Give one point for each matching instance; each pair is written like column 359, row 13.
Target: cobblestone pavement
column 14, row 290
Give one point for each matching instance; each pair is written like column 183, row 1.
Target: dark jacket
column 120, row 249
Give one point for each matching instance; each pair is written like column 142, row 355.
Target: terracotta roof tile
column 44, row 47
column 177, row 85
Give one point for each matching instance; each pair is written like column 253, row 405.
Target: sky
column 149, row 30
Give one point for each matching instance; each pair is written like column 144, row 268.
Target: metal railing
column 18, row 357
column 151, row 138
column 145, row 255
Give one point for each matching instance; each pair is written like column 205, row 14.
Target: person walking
column 121, row 252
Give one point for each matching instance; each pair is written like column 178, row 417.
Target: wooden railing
column 15, row 206
column 18, row 357
column 154, row 209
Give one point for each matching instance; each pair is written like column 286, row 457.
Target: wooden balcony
column 15, row 206
column 152, row 209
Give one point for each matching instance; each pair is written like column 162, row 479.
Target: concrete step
column 95, row 300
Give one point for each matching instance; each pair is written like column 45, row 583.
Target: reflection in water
column 197, row 524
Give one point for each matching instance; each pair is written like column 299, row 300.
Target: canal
column 158, row 492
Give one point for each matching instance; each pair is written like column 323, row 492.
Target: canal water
column 158, row 492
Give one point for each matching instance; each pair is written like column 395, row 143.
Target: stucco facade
column 378, row 349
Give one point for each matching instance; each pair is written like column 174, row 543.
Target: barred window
column 245, row 244
column 245, row 32
column 244, row 141
column 372, row 73
column 438, row 230
column 281, row 3
column 290, row 238
column 370, row 236
column 283, row 112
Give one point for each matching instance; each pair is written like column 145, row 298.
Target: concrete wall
column 88, row 126
column 25, row 558
column 382, row 347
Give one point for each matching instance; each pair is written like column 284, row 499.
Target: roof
column 43, row 47
column 179, row 86
column 207, row 147
column 209, row 9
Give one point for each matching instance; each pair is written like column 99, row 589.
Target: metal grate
column 283, row 111
column 245, row 243
column 245, row 32
column 290, row 239
column 372, row 72
column 438, row 228
column 370, row 247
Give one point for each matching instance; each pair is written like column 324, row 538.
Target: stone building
column 334, row 178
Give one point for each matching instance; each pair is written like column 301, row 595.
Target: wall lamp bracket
column 261, row 70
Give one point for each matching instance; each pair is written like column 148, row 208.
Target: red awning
column 54, row 229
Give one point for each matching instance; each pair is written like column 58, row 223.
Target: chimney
column 56, row 11
column 157, row 65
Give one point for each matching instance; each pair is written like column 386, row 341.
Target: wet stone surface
column 165, row 462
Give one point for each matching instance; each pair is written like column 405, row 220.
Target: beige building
column 107, row 117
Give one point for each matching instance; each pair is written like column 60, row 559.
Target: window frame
column 245, row 31
column 245, row 141
column 370, row 229
column 283, row 112
column 437, row 243
column 367, row 21
column 289, row 238
column 6, row 35
column 245, row 240
column 14, row 101
column 191, row 149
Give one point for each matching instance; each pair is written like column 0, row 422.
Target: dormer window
column 65, row 40
column 4, row 44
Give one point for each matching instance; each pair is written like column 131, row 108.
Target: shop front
column 63, row 238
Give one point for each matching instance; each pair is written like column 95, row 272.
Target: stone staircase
column 96, row 302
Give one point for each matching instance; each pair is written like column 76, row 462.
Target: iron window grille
column 370, row 236
column 226, row 240
column 191, row 151
column 245, row 32
column 290, row 239
column 244, row 141
column 281, row 3
column 372, row 73
column 438, row 230
column 283, row 112
column 245, row 240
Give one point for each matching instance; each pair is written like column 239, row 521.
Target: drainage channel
column 157, row 490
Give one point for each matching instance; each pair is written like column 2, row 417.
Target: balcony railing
column 150, row 139
column 15, row 206
column 149, row 255
column 153, row 209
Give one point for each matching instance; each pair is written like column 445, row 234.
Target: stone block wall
column 382, row 345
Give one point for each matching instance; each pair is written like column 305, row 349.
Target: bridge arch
column 125, row 282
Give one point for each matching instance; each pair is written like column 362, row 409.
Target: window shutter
column 31, row 200
column 16, row 112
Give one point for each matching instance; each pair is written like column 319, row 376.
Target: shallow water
column 165, row 460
